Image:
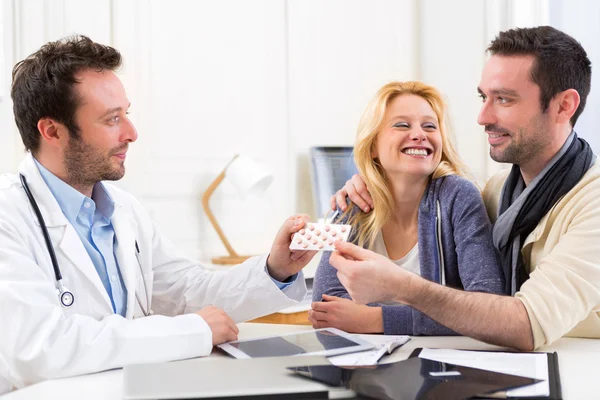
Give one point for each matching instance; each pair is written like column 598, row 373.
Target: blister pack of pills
column 319, row 236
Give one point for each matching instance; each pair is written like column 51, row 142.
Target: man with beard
column 82, row 267
column 546, row 208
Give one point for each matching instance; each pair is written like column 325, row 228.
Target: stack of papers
column 528, row 365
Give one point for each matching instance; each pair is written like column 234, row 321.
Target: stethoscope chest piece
column 66, row 298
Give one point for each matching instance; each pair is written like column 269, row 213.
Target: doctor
column 117, row 292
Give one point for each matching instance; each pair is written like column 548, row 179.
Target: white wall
column 339, row 53
column 10, row 151
column 452, row 58
column 208, row 79
column 579, row 18
column 28, row 24
column 211, row 85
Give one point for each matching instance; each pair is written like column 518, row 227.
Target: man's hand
column 283, row 262
column 367, row 276
column 221, row 325
column 344, row 314
column 370, row 277
column 358, row 193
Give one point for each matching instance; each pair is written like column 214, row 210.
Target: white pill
column 299, row 240
column 311, row 227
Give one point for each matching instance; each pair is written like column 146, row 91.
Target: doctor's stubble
column 88, row 165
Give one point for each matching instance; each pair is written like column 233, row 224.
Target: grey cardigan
column 455, row 249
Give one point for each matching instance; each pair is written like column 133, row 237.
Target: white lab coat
column 39, row 339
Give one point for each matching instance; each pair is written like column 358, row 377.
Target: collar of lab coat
column 49, row 207
column 70, row 244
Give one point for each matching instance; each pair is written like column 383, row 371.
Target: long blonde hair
column 372, row 172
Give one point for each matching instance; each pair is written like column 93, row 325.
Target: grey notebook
column 220, row 377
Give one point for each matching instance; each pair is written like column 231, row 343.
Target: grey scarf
column 521, row 208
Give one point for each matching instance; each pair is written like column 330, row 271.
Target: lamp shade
column 248, row 177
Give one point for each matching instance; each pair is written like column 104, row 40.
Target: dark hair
column 43, row 84
column 560, row 63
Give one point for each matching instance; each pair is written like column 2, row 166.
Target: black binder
column 553, row 375
column 413, row 379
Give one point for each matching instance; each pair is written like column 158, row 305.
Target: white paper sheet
column 520, row 364
column 384, row 344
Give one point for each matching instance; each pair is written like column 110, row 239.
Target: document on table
column 529, row 365
column 384, row 344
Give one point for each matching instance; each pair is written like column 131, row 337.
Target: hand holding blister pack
column 320, row 236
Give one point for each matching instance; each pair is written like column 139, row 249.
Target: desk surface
column 577, row 359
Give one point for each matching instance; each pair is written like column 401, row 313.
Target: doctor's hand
column 283, row 262
column 356, row 190
column 221, row 325
column 370, row 277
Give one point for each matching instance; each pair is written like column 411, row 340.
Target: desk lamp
column 248, row 178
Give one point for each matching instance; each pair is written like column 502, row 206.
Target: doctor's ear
column 52, row 132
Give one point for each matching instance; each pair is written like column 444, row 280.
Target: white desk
column 578, row 362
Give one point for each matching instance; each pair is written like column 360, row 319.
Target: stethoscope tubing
column 40, row 218
column 65, row 296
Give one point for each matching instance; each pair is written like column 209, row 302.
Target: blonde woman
column 427, row 216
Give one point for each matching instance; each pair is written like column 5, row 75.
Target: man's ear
column 52, row 132
column 567, row 104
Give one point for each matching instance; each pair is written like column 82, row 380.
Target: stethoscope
column 65, row 296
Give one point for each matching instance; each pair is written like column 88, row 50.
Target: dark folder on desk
column 553, row 376
column 414, row 379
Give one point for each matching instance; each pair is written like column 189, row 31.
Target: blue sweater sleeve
column 468, row 248
column 326, row 280
column 478, row 262
column 405, row 320
column 397, row 319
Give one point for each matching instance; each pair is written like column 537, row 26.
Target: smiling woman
column 403, row 121
column 427, row 217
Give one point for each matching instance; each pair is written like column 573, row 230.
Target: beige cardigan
column 562, row 295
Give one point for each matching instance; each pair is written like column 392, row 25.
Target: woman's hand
column 344, row 314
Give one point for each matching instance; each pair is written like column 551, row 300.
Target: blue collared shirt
column 91, row 218
column 282, row 285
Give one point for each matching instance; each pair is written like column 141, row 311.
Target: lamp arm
column 210, row 215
